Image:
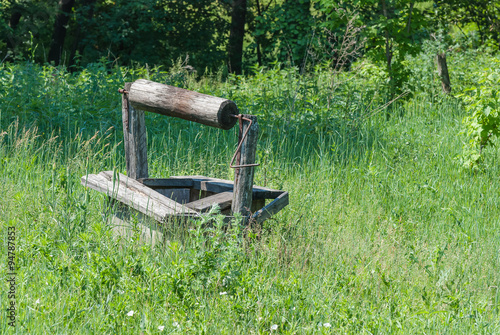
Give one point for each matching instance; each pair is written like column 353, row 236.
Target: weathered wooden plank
column 228, row 186
column 173, row 101
column 137, row 187
column 213, row 186
column 257, row 204
column 272, row 208
column 137, row 201
column 221, row 185
column 150, row 203
column 134, row 138
column 243, row 184
column 167, row 182
column 181, row 195
column 224, row 201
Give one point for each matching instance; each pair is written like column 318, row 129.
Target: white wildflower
column 37, row 301
column 131, row 313
column 176, row 324
column 327, row 325
column 223, row 293
column 160, row 328
column 274, row 327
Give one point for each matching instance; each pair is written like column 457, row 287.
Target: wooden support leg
column 134, row 137
column 243, row 176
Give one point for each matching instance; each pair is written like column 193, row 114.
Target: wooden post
column 243, row 177
column 134, row 138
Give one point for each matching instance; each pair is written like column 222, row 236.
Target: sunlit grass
column 385, row 232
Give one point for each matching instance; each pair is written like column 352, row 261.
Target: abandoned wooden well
column 164, row 199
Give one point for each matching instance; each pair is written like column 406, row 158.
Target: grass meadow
column 385, row 231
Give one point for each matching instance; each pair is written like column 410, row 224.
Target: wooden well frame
column 166, row 199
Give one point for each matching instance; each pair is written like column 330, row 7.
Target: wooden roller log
column 188, row 105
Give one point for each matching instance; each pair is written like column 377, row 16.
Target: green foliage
column 422, row 68
column 283, row 32
column 155, row 32
column 392, row 32
column 483, row 122
column 147, row 31
column 382, row 233
column 158, row 32
column 211, row 261
column 482, row 14
column 288, row 99
column 34, row 30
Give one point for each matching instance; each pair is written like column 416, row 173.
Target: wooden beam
column 272, row 208
column 167, row 183
column 224, row 201
column 135, row 195
column 219, row 185
column 243, row 176
column 137, row 187
column 134, row 138
column 188, row 105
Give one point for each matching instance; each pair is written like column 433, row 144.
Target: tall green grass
column 384, row 233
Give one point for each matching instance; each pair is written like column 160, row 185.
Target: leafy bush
column 482, row 123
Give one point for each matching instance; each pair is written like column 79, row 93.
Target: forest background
column 379, row 117
column 237, row 34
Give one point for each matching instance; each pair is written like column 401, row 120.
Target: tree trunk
column 62, row 18
column 257, row 39
column 388, row 57
column 236, row 35
column 14, row 20
column 84, row 18
column 408, row 24
column 443, row 72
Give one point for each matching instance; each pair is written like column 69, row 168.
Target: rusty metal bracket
column 240, row 119
column 122, row 91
